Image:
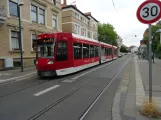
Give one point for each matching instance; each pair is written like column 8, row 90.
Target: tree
column 107, row 34
column 156, row 36
column 158, row 48
column 123, row 49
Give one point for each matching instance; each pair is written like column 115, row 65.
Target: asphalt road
column 63, row 98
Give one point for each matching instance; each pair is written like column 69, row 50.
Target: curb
column 19, row 78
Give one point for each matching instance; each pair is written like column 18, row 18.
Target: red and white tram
column 65, row 53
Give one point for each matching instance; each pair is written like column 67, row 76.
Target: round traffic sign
column 149, row 11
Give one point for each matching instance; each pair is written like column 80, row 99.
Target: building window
column 81, row 18
column 85, row 32
column 77, row 51
column 78, row 30
column 13, row 8
column 34, row 37
column 88, row 34
column 94, row 36
column 34, row 13
column 75, row 28
column 41, row 16
column 78, row 16
column 54, row 21
column 62, row 51
column 15, row 40
column 54, row 2
column 91, row 35
column 82, row 31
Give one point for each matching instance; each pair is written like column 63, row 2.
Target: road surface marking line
column 74, row 78
column 46, row 90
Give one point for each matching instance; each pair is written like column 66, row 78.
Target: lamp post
column 20, row 33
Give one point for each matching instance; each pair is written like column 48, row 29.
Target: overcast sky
column 123, row 18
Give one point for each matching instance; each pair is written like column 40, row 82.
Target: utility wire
column 114, row 5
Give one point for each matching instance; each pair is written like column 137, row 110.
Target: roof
column 89, row 14
column 74, row 7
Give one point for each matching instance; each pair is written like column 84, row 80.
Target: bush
column 159, row 48
column 150, row 109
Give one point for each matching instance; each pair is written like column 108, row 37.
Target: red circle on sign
column 142, row 5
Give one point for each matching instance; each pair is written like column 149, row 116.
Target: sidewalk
column 137, row 83
column 15, row 74
column 157, row 61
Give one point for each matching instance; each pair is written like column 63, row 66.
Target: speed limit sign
column 149, row 11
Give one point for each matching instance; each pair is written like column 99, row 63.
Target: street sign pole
column 150, row 65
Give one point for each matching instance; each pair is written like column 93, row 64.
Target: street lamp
column 20, row 33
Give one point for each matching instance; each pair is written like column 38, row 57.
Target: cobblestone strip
column 122, row 89
column 140, row 93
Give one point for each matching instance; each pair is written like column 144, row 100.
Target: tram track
column 16, row 91
column 37, row 83
column 43, row 111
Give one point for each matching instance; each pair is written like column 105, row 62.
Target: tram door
column 103, row 58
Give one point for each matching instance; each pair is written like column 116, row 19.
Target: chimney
column 65, row 2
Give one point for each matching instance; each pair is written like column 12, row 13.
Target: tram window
column 85, row 51
column 46, row 51
column 62, row 51
column 91, row 51
column 77, row 50
column 110, row 51
column 103, row 51
column 96, row 51
column 106, row 52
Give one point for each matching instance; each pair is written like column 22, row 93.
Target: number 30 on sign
column 149, row 11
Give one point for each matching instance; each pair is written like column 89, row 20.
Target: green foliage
column 158, row 48
column 107, row 34
column 156, row 36
column 123, row 49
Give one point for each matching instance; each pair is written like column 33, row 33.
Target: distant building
column 82, row 24
column 131, row 47
column 134, row 49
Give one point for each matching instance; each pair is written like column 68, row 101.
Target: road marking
column 14, row 78
column 46, row 90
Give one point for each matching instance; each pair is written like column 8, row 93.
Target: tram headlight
column 50, row 62
column 36, row 62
